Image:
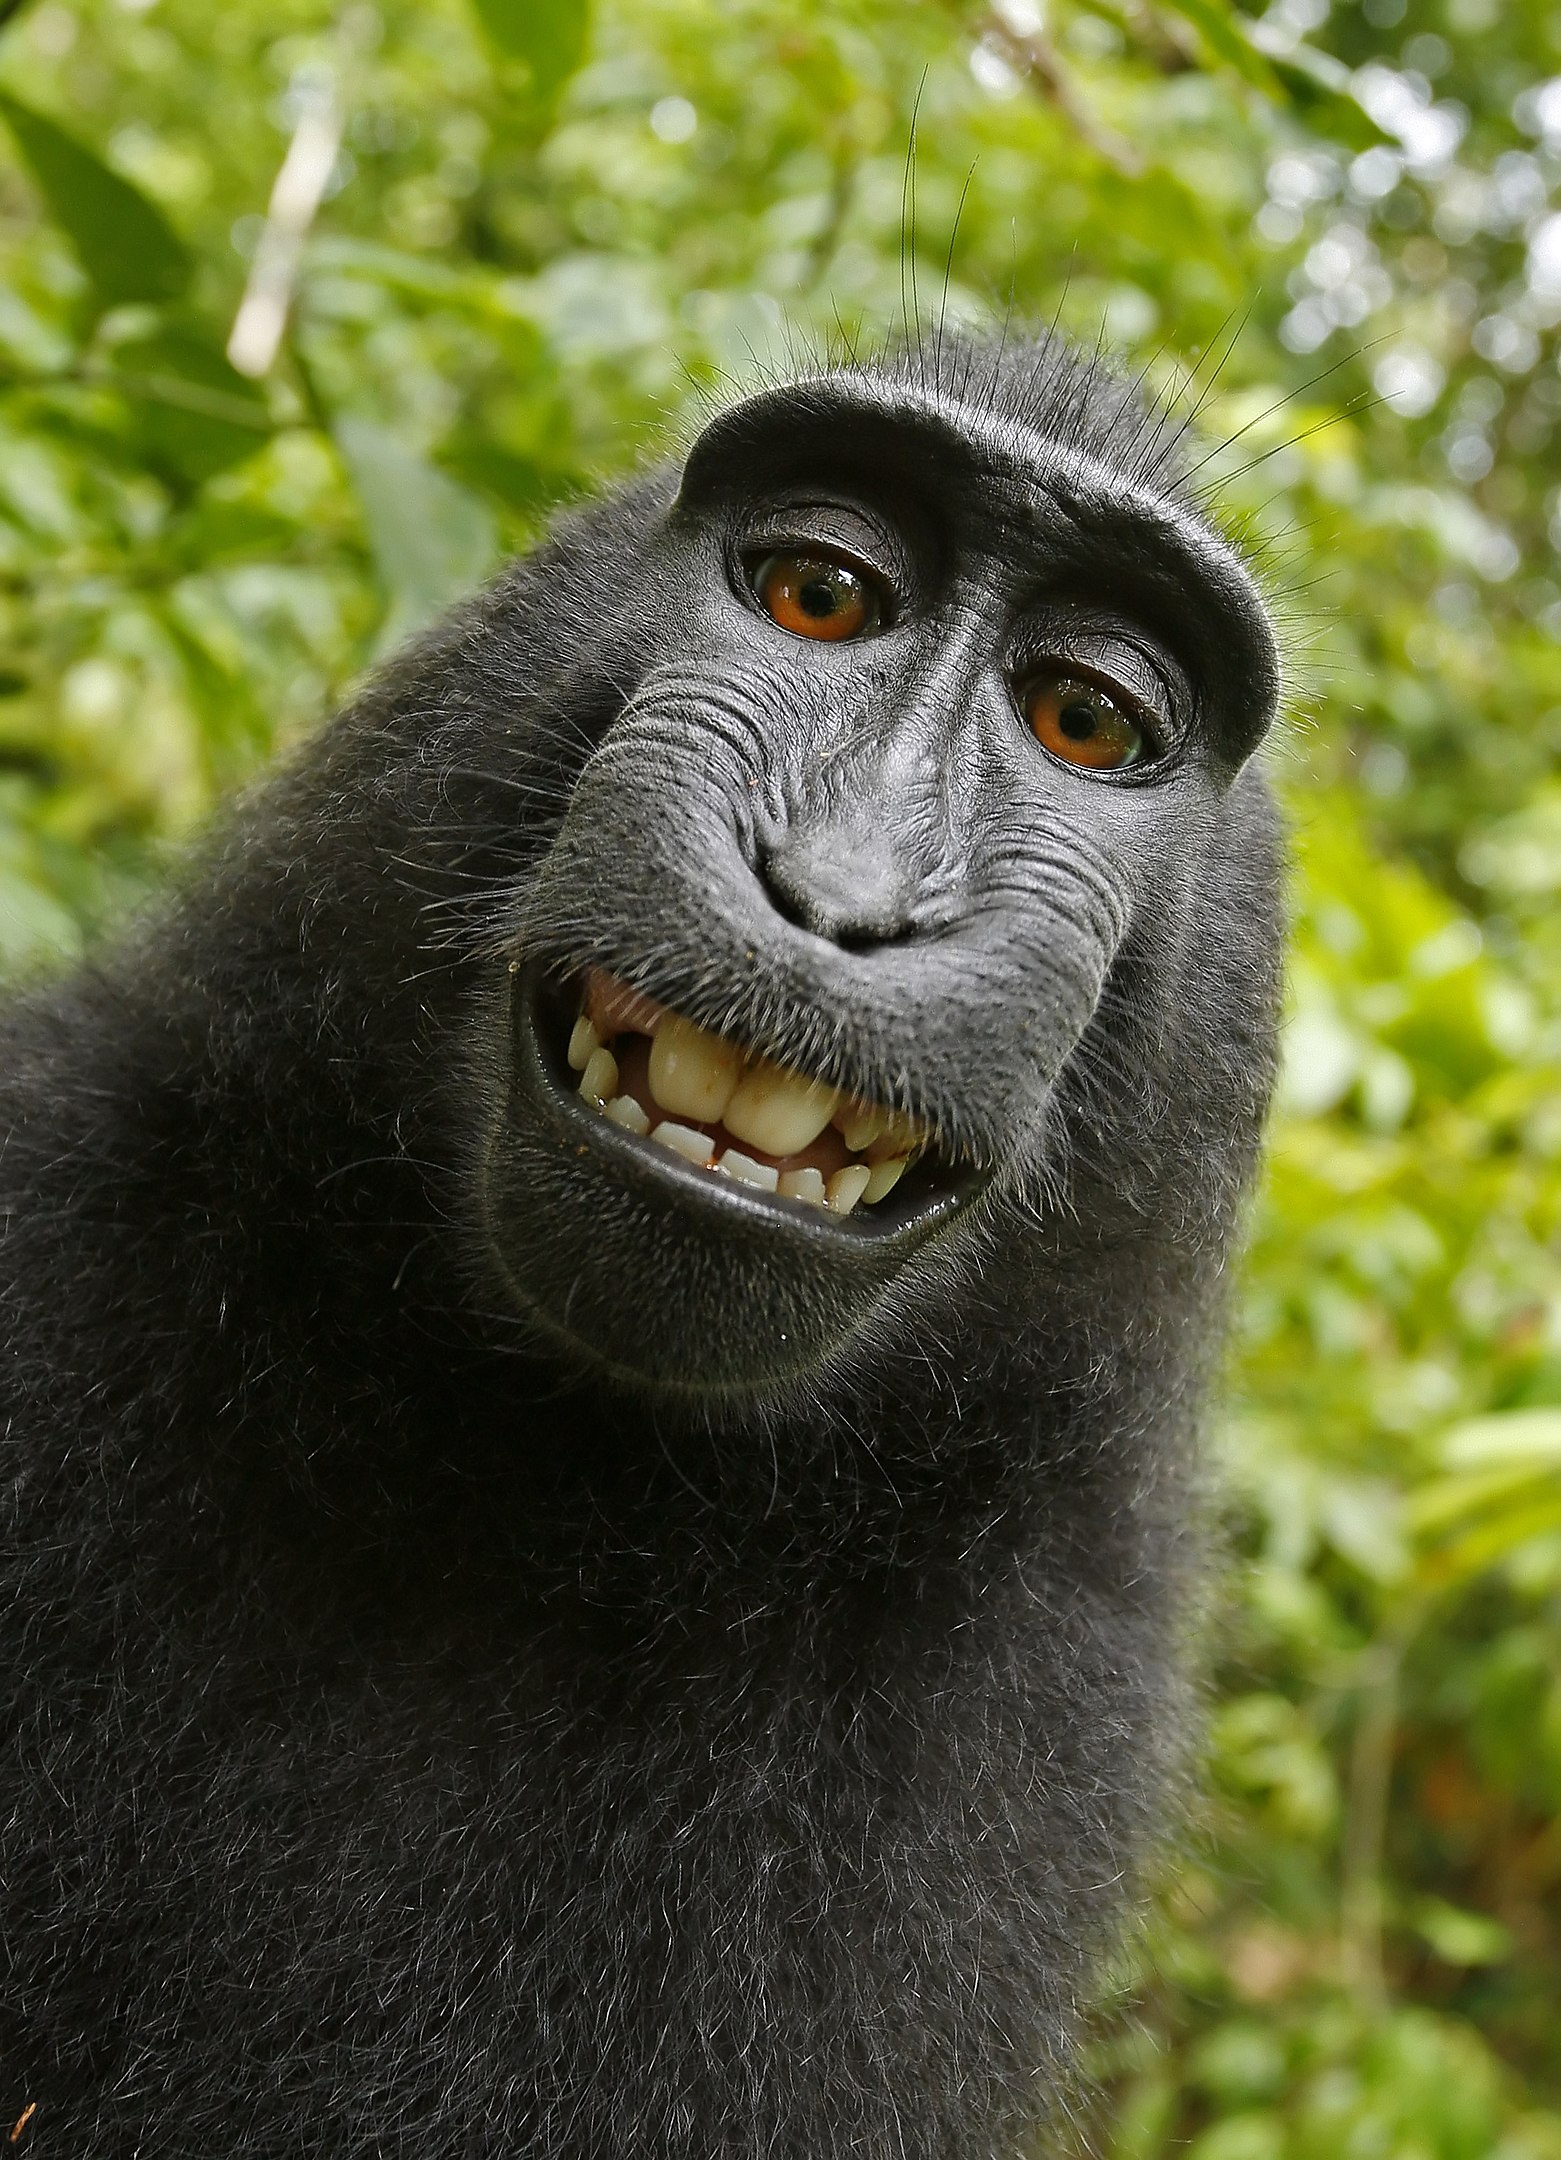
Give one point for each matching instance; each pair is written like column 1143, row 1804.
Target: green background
column 551, row 233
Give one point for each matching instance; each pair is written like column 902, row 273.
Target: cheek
column 1117, row 868
column 1067, row 871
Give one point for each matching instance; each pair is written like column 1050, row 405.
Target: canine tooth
column 803, row 1185
column 600, row 1078
column 694, row 1147
column 859, row 1123
column 582, row 1042
column 847, row 1186
column 883, row 1178
column 778, row 1111
column 625, row 1111
column 748, row 1172
column 692, row 1072
column 901, row 1134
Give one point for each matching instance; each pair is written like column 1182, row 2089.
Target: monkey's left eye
column 816, row 596
column 1083, row 724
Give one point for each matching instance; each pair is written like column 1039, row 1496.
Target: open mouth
column 677, row 1089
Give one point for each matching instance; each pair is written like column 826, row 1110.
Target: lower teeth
column 625, row 1111
column 748, row 1172
column 847, row 1186
column 694, row 1147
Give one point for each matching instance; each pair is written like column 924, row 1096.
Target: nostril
column 781, row 898
column 857, row 897
column 866, row 940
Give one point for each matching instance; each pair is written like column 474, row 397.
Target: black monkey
column 603, row 1323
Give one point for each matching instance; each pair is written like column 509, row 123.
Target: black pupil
column 821, row 596
column 1079, row 721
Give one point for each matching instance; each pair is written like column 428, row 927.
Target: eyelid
column 805, row 543
column 866, row 545
column 1065, row 668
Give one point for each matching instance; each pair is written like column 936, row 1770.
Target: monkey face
column 924, row 718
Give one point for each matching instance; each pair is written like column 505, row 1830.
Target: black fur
column 501, row 1659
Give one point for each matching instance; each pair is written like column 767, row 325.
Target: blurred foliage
column 513, row 245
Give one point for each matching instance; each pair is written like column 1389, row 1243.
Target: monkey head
column 917, row 737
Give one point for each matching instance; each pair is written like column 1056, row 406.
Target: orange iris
column 1078, row 722
column 815, row 596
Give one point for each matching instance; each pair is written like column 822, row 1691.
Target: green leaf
column 1459, row 1937
column 1311, row 83
column 196, row 414
column 1220, row 30
column 127, row 247
column 433, row 541
column 550, row 36
column 520, row 483
column 1316, row 97
column 36, row 929
column 1535, row 1513
column 1445, row 1504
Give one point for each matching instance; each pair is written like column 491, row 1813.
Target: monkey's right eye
column 817, row 596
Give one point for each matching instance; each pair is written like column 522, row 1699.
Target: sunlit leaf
column 126, row 245
column 433, row 541
column 1511, row 1436
column 1459, row 1937
column 1447, row 1502
column 1534, row 1512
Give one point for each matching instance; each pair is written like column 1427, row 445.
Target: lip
column 540, row 1019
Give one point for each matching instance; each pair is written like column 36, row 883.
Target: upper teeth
column 777, row 1110
column 699, row 1076
column 694, row 1073
column 599, row 1081
column 859, row 1123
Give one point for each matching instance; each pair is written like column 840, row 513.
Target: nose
column 843, row 882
